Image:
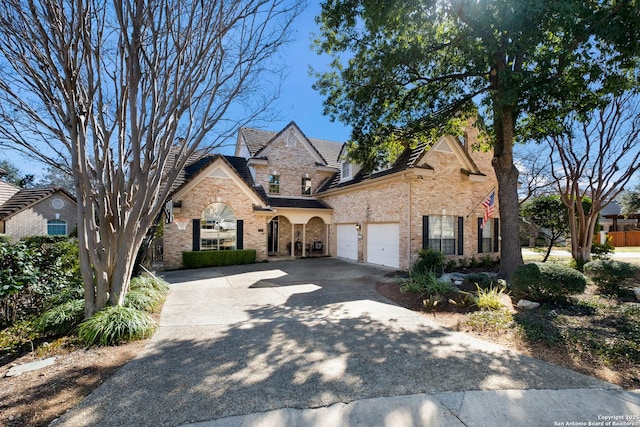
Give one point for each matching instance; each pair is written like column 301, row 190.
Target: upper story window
column 306, row 186
column 346, row 170
column 274, row 183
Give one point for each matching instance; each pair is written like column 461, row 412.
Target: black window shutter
column 239, row 234
column 196, row 234
column 425, row 232
column 496, row 233
column 460, row 235
column 479, row 235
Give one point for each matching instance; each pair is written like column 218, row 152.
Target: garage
column 347, row 240
column 383, row 244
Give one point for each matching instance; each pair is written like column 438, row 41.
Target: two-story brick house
column 284, row 194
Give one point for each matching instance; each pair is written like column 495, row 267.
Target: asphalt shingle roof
column 26, row 198
column 407, row 160
column 257, row 139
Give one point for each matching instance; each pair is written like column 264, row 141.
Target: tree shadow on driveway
column 319, row 346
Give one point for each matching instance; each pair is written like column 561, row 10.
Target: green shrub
column 603, row 250
column 62, row 318
column 430, row 260
column 490, row 298
column 426, row 284
column 114, row 325
column 35, row 273
column 546, row 282
column 451, row 265
column 481, row 279
column 610, row 276
column 19, row 336
column 200, row 259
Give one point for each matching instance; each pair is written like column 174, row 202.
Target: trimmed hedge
column 200, row 259
column 610, row 276
column 547, row 282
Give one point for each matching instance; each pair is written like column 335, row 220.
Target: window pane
column 56, row 227
column 449, row 246
column 217, row 227
column 449, row 227
column 274, row 184
column 306, row 186
column 435, row 227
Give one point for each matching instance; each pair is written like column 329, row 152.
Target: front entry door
column 272, row 243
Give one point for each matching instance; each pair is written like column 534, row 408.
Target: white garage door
column 347, row 237
column 383, row 244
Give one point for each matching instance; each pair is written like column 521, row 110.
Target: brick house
column 36, row 211
column 284, row 194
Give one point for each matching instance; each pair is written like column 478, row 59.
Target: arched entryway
column 287, row 235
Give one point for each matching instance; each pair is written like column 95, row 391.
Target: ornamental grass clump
column 114, row 325
column 490, row 298
column 62, row 318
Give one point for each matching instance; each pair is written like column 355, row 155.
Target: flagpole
column 481, row 200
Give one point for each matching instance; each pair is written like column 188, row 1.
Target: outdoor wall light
column 358, row 226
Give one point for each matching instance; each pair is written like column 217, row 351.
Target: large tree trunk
column 507, row 175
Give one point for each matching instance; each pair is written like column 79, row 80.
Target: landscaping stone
column 528, row 305
column 637, row 292
column 31, row 366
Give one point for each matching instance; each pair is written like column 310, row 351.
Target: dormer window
column 306, row 186
column 346, row 170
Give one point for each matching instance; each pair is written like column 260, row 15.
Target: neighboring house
column 612, row 219
column 284, row 194
column 36, row 211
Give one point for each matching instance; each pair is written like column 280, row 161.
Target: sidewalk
column 471, row 408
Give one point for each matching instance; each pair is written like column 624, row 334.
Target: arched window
column 217, row 228
column 56, row 227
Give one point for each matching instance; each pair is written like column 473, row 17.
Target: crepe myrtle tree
column 125, row 92
column 595, row 156
column 402, row 71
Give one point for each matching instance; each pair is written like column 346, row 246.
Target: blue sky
column 298, row 101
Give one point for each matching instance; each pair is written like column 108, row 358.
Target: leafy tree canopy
column 403, row 71
column 14, row 176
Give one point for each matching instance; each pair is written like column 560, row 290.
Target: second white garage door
column 383, row 244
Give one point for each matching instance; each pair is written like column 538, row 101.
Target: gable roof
column 257, row 140
column 237, row 164
column 27, row 197
column 411, row 158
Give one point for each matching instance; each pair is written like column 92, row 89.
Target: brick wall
column 211, row 190
column 407, row 199
column 33, row 221
column 291, row 163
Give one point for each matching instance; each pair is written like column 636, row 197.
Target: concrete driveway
column 235, row 342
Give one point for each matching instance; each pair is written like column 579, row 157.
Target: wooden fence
column 624, row 238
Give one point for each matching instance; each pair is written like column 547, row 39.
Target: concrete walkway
column 310, row 343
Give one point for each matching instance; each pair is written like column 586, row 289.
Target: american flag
column 488, row 204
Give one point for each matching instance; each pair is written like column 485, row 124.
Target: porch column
column 325, row 248
column 293, row 239
column 304, row 240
